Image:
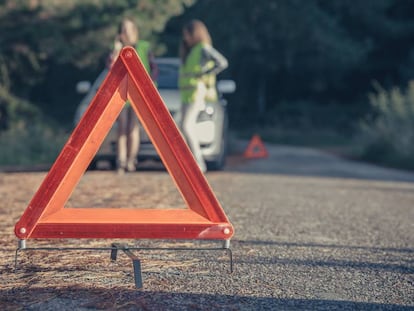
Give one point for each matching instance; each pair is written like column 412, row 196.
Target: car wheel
column 112, row 164
column 92, row 166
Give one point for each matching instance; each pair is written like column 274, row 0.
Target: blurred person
column 128, row 123
column 200, row 63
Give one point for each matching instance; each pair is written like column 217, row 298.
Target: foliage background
column 293, row 56
column 304, row 66
column 46, row 46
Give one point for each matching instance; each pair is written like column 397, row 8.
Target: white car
column 212, row 124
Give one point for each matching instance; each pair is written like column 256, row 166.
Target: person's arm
column 115, row 52
column 211, row 54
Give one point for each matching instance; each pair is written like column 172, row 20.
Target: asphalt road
column 313, row 232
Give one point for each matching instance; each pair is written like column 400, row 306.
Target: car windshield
column 168, row 76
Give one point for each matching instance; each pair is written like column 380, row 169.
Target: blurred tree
column 48, row 45
column 320, row 51
column 317, row 51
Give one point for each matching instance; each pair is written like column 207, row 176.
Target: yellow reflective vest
column 143, row 48
column 191, row 74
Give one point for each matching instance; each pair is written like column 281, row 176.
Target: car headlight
column 209, row 110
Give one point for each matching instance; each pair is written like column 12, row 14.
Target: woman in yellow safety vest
column 200, row 63
column 128, row 126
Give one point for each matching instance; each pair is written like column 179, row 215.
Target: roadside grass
column 387, row 134
column 30, row 145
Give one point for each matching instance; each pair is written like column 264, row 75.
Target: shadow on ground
column 78, row 298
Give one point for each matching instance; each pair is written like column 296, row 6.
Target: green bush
column 387, row 136
column 30, row 145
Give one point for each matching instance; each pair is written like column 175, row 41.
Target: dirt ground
column 66, row 279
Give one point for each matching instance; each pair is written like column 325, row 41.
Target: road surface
column 313, row 232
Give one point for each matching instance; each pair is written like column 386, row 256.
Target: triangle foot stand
column 127, row 250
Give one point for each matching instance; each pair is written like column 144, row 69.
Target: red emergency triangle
column 46, row 216
column 255, row 149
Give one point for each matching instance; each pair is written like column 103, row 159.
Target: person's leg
column 122, row 141
column 189, row 120
column 133, row 140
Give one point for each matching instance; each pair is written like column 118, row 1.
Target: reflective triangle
column 255, row 149
column 46, row 216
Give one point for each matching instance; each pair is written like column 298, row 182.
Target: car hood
column 171, row 98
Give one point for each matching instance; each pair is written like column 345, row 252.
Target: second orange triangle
column 256, row 149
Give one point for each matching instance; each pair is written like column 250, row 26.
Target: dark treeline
column 319, row 57
column 312, row 60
